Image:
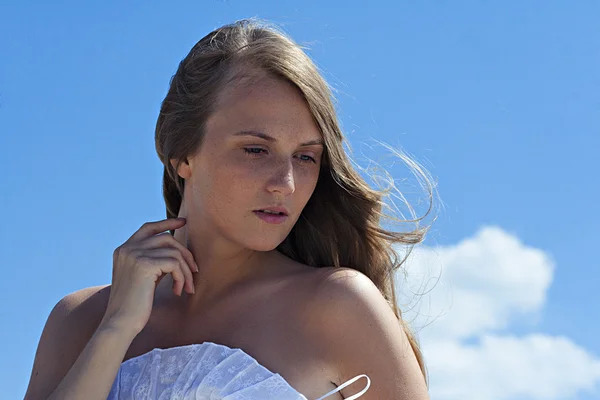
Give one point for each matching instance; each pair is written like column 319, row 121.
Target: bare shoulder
column 83, row 304
column 341, row 287
column 336, row 292
column 81, row 311
column 68, row 328
column 364, row 336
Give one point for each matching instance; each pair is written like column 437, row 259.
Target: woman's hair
column 340, row 224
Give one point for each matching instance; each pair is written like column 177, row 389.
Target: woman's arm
column 94, row 372
column 77, row 358
column 363, row 336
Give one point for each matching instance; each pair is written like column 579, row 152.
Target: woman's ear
column 184, row 170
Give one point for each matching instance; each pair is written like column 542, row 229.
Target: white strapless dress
column 206, row 371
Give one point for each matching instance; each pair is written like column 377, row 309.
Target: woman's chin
column 264, row 245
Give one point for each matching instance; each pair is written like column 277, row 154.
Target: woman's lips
column 271, row 218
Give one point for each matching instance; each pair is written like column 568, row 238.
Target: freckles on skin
column 225, row 192
column 218, row 185
column 228, row 184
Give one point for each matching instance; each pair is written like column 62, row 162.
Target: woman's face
column 261, row 150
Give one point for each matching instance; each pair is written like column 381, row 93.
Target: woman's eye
column 253, row 150
column 257, row 151
column 305, row 158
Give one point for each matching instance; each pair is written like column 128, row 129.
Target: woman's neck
column 222, row 267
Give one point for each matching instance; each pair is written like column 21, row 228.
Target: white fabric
column 206, row 371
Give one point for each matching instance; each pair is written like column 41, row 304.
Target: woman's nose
column 282, row 179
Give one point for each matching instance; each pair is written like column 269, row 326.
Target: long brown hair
column 341, row 223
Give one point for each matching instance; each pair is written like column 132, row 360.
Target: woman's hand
column 138, row 266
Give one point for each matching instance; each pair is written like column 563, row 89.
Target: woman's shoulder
column 83, row 305
column 78, row 314
column 325, row 279
column 75, row 318
column 69, row 327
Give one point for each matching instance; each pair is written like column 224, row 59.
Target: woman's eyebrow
column 272, row 139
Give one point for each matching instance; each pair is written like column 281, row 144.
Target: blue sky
column 499, row 100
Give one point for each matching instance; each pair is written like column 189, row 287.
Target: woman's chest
column 273, row 333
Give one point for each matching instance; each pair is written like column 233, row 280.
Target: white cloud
column 535, row 366
column 485, row 283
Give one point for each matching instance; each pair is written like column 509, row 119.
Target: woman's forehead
column 265, row 103
column 255, row 86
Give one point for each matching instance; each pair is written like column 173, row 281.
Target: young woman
column 271, row 277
